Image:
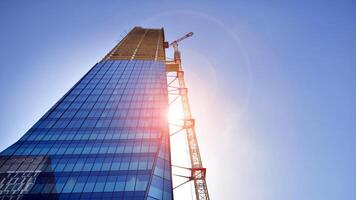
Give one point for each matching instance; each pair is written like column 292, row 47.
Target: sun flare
column 175, row 114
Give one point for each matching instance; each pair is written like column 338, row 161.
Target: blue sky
column 272, row 83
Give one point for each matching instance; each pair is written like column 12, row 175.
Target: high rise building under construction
column 107, row 137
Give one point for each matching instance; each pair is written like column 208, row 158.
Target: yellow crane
column 198, row 172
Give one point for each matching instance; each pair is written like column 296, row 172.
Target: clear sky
column 272, row 83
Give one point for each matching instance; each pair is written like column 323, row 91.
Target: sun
column 175, row 113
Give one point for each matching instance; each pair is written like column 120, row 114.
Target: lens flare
column 175, row 113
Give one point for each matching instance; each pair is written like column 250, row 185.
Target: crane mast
column 198, row 172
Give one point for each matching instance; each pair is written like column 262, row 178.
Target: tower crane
column 197, row 171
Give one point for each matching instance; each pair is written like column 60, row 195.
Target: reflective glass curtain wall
column 107, row 138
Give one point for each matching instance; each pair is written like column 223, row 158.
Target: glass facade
column 107, row 138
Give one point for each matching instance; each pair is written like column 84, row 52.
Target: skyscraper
column 106, row 138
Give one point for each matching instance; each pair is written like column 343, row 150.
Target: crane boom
column 182, row 38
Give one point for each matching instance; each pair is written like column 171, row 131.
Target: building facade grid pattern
column 107, row 138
